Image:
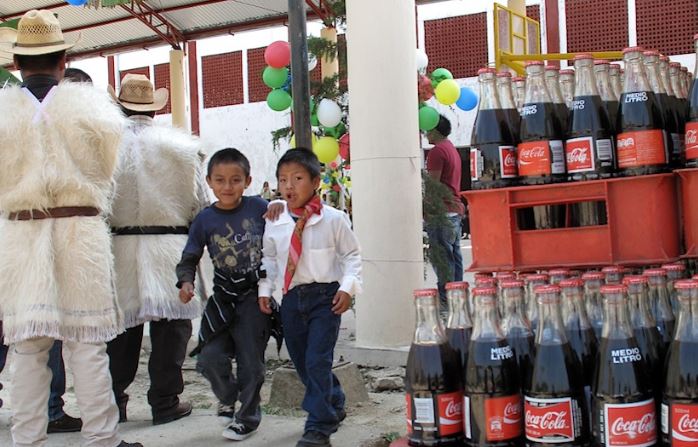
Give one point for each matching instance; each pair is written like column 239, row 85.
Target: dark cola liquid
column 671, row 127
column 612, row 111
column 489, row 374
column 514, row 121
column 666, row 333
column 432, row 369
column 640, row 111
column 459, row 340
column 650, row 344
column 681, row 385
column 585, row 345
column 588, row 118
column 557, row 373
column 490, row 133
column 691, row 126
column 524, row 348
column 562, row 114
column 539, row 122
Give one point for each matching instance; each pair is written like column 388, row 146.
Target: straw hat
column 7, row 39
column 39, row 32
column 138, row 94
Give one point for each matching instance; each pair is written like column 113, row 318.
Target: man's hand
column 186, row 292
column 264, row 305
column 341, row 302
column 274, row 210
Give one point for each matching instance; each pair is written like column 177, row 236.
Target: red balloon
column 424, row 88
column 344, row 146
column 278, row 54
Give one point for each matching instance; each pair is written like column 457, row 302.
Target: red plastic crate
column 689, row 210
column 643, row 225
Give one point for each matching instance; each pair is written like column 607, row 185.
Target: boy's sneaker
column 226, row 413
column 314, row 439
column 237, row 432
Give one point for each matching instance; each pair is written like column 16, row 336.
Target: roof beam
column 319, row 9
column 156, row 22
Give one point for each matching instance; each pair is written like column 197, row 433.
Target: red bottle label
column 641, row 148
column 692, row 140
column 503, row 418
column 442, row 412
column 450, row 413
column 507, row 162
column 549, row 420
column 633, row 424
column 408, row 398
column 579, row 154
column 475, row 165
column 684, row 425
column 534, row 158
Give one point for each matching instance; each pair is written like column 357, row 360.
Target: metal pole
column 300, row 86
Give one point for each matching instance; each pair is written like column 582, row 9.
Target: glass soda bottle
column 533, row 281
column 515, row 325
column 557, row 275
column 592, row 300
column 518, row 85
column 578, row 329
column 433, row 381
column 671, row 129
column 501, row 278
column 614, row 74
column 640, row 141
column 691, row 119
column 623, row 406
column 552, row 81
column 493, row 151
column 660, row 306
column 680, row 397
column 606, row 92
column 613, row 274
column 567, row 86
column 506, row 101
column 674, row 272
column 459, row 327
column 492, row 407
column 555, row 407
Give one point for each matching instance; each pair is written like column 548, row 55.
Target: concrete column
column 386, row 166
column 177, row 89
column 329, row 67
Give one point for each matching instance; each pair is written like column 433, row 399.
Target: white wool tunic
column 56, row 274
column 159, row 182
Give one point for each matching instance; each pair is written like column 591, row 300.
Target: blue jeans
column 448, row 238
column 311, row 330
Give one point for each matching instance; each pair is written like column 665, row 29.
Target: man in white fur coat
column 159, row 190
column 58, row 155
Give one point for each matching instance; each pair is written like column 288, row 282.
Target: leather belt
column 55, row 213
column 149, row 229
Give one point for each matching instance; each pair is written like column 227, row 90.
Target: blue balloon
column 287, row 84
column 77, row 2
column 467, row 100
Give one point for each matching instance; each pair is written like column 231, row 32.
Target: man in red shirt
column 444, row 165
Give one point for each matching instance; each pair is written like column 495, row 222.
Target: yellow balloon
column 292, row 142
column 447, row 92
column 327, row 149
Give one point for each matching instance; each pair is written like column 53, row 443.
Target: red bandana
column 313, row 206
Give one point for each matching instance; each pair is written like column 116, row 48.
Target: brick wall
column 596, row 25
column 222, row 79
column 667, row 26
column 457, row 43
column 162, row 79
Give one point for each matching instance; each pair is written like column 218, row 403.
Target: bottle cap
column 613, row 288
column 674, row 267
column 558, row 272
column 633, row 50
column 483, row 291
column 664, row 58
column 534, row 63
column 457, row 285
column 485, row 282
column 537, row 277
column 518, row 79
column 419, row 293
column 593, row 276
column 615, row 66
column 551, row 67
column 546, row 288
column 650, row 53
column 486, row 70
column 686, row 284
column 567, row 71
column 612, row 269
column 503, row 74
column 601, row 62
column 654, row 272
column 572, row 282
column 675, row 65
column 583, row 56
column 635, row 279
column 511, row 283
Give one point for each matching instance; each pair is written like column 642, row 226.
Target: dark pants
column 246, row 340
column 311, row 330
column 448, row 238
column 168, row 339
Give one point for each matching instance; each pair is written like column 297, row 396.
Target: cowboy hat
column 39, row 32
column 138, row 94
column 7, row 38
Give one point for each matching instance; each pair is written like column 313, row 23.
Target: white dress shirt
column 330, row 252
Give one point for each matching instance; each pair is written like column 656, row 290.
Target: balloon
column 313, row 139
column 424, row 88
column 428, row 118
column 438, row 75
column 76, row 2
column 327, row 149
column 329, row 113
column 278, row 100
column 422, row 61
column 337, row 131
column 447, row 92
column 275, row 77
column 288, row 83
column 278, row 54
column 333, row 165
column 312, row 62
column 344, row 146
column 467, row 100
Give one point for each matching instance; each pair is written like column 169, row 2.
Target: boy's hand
column 341, row 302
column 264, row 305
column 186, row 292
column 274, row 210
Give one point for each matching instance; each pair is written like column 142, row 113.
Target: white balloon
column 312, row 62
column 329, row 113
column 422, row 61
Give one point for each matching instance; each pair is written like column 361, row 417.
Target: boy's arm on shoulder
column 349, row 254
column 266, row 285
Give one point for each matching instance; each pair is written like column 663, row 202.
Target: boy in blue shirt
column 315, row 251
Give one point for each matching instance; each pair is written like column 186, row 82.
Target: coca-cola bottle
column 684, row 82
column 459, row 327
column 557, row 275
column 506, row 101
column 592, row 300
column 552, row 81
column 606, row 92
column 555, row 407
column 674, row 272
column 578, row 328
column 691, row 119
column 433, row 381
column 675, row 80
column 613, row 274
column 501, row 278
column 518, row 86
column 515, row 325
column 680, row 397
column 567, row 86
column 660, row 306
column 589, row 148
column 493, row 151
column 533, row 281
column 614, row 75
column 671, row 127
column 492, row 407
column 540, row 152
column 640, row 141
column 623, row 406
column 674, row 102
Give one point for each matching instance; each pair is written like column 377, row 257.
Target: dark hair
column 41, row 62
column 444, row 126
column 76, row 75
column 229, row 155
column 303, row 157
column 129, row 112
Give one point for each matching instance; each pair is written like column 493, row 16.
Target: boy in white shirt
column 315, row 249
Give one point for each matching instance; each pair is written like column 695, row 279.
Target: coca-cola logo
column 512, row 412
column 578, row 155
column 509, row 160
column 634, row 427
column 532, row 153
column 688, row 424
column 552, row 420
column 453, row 409
column 691, row 137
column 626, row 142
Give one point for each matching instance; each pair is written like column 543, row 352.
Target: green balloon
column 278, row 100
column 337, row 131
column 439, row 75
column 275, row 77
column 428, row 118
column 314, row 121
